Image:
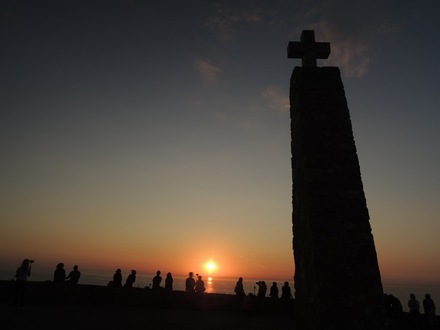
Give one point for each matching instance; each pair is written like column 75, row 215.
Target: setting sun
column 210, row 266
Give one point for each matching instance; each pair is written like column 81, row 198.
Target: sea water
column 226, row 285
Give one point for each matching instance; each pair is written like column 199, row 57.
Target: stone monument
column 337, row 278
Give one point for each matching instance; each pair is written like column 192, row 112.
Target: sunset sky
column 156, row 134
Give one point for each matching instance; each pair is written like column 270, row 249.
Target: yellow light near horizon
column 210, row 266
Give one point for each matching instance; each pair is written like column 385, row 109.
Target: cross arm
column 297, row 49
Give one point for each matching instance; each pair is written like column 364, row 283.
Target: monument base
column 337, row 278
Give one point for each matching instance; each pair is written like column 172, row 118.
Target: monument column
column 337, row 278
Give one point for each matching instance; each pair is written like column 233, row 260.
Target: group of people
column 117, row 279
column 428, row 308
column 157, row 280
column 286, row 292
column 428, row 305
column 24, row 272
column 394, row 305
column 193, row 286
column 59, row 275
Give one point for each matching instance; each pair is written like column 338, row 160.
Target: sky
column 156, row 134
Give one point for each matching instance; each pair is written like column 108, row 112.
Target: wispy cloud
column 356, row 31
column 350, row 53
column 227, row 22
column 276, row 99
column 208, row 71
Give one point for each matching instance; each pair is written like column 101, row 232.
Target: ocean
column 226, row 285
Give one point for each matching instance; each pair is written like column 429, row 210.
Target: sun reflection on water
column 209, row 285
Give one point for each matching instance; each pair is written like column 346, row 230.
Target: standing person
column 414, row 310
column 239, row 289
column 22, row 274
column 156, row 281
column 169, row 282
column 274, row 290
column 74, row 276
column 130, row 279
column 429, row 308
column 413, row 304
column 200, row 285
column 286, row 292
column 117, row 279
column 59, row 276
column 428, row 305
column 190, row 283
column 262, row 288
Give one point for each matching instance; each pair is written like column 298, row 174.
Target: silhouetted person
column 156, row 281
column 169, row 282
column 22, row 274
column 286, row 292
column 59, row 276
column 239, row 289
column 262, row 288
column 117, row 279
column 74, row 276
column 190, row 283
column 413, row 304
column 274, row 291
column 199, row 287
column 428, row 305
column 429, row 309
column 130, row 279
column 414, row 310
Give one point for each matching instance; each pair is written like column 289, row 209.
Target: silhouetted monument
column 337, row 278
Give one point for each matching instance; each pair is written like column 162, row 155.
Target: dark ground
column 49, row 306
column 125, row 317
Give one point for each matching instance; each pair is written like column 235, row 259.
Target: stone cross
column 308, row 50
